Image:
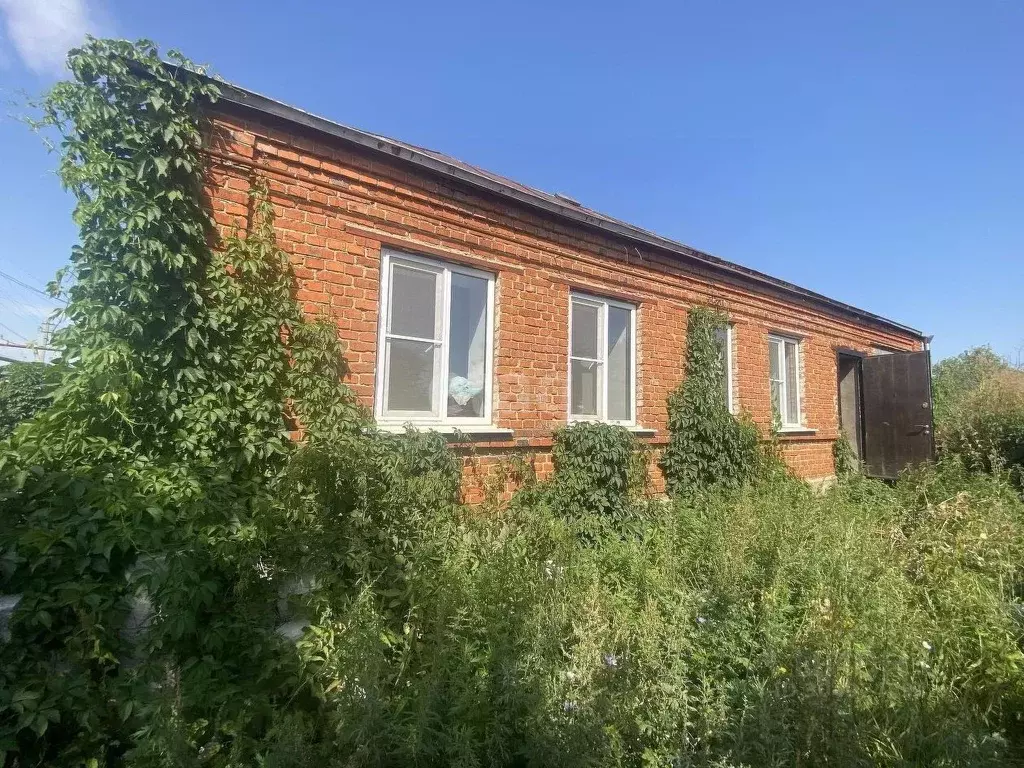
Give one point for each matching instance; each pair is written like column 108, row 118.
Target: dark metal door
column 897, row 412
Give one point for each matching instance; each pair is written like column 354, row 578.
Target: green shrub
column 955, row 378
column 356, row 506
column 979, row 417
column 25, row 389
column 707, row 446
column 600, row 473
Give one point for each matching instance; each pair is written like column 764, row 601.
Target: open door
column 897, row 412
column 851, row 422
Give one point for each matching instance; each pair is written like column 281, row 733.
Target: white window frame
column 730, row 385
column 389, row 258
column 784, row 384
column 603, row 304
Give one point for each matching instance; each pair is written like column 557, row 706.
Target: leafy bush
column 707, row 446
column 25, row 389
column 600, row 472
column 356, row 506
column 955, row 378
column 979, row 411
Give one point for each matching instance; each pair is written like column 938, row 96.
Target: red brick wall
column 337, row 207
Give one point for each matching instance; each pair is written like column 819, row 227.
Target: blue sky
column 871, row 151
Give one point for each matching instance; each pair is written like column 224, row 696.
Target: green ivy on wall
column 144, row 495
column 707, row 446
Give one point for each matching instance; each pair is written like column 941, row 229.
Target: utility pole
column 46, row 331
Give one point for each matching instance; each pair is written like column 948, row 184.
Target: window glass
column 784, row 376
column 601, row 360
column 620, row 364
column 467, row 349
column 586, row 388
column 414, row 302
column 722, row 337
column 792, row 384
column 586, row 320
column 411, row 376
column 775, row 376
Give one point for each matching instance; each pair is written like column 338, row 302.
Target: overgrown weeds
column 192, row 588
column 868, row 625
column 985, row 429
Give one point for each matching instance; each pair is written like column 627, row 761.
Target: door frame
column 859, row 379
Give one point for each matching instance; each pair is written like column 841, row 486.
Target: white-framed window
column 602, row 360
column 724, row 337
column 784, row 375
column 435, row 343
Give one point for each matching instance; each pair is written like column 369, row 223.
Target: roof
column 557, row 205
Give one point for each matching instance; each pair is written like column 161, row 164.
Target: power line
column 21, row 274
column 25, row 285
column 15, row 345
column 11, row 330
column 18, row 308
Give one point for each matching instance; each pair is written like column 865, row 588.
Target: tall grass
column 986, row 428
column 866, row 626
column 979, row 412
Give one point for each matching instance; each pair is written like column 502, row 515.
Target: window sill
column 634, row 428
column 797, row 431
column 472, row 432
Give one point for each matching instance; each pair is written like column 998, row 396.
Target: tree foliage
column 25, row 390
column 954, row 378
column 979, row 411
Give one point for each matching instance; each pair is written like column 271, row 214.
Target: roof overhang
column 397, row 150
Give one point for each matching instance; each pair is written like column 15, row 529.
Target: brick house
column 467, row 301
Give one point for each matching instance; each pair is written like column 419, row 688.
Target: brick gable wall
column 337, row 207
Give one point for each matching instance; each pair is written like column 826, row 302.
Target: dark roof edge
column 236, row 95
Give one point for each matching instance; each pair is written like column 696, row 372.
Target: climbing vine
column 707, row 446
column 600, row 474
column 844, row 459
column 135, row 511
